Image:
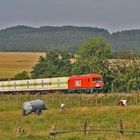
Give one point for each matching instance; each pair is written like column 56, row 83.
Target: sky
column 113, row 15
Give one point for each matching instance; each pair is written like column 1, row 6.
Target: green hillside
column 126, row 40
column 23, row 38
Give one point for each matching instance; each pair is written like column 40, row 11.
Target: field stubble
column 12, row 63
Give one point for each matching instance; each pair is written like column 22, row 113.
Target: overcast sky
column 113, row 15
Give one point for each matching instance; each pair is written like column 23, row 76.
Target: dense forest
column 23, row 38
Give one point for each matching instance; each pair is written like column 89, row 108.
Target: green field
column 100, row 110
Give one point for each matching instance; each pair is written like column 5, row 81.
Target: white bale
column 33, row 106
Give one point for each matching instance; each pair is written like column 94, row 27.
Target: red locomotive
column 85, row 83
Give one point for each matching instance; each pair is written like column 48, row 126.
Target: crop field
column 12, row 63
column 100, row 111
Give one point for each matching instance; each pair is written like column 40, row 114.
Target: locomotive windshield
column 96, row 79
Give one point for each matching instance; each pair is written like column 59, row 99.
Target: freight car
column 82, row 83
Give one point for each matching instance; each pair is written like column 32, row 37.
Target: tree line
column 48, row 38
column 94, row 56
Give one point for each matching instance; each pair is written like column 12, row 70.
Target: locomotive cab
column 98, row 83
column 89, row 83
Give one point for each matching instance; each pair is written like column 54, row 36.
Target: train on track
column 88, row 83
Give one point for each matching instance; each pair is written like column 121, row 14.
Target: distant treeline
column 48, row 38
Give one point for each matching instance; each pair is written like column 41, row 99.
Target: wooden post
column 121, row 128
column 88, row 130
column 53, row 131
column 85, row 126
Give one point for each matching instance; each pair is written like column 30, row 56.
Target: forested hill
column 23, row 38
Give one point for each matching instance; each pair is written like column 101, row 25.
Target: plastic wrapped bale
column 33, row 106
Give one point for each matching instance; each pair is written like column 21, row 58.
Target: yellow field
column 12, row 63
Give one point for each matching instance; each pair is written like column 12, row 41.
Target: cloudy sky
column 114, row 15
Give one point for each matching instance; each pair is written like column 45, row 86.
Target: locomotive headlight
column 97, row 85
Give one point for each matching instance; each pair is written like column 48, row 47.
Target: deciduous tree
column 54, row 64
column 92, row 55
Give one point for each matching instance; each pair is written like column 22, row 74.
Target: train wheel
column 92, row 91
column 97, row 91
column 87, row 91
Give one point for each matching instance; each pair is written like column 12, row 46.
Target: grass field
column 12, row 63
column 100, row 110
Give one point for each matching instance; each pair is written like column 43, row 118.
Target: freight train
column 88, row 83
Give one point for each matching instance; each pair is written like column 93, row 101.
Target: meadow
column 12, row 63
column 100, row 110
